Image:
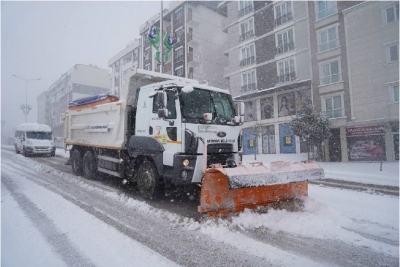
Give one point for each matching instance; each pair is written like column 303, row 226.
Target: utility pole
column 26, row 108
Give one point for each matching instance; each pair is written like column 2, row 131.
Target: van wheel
column 148, row 181
column 76, row 162
column 16, row 149
column 89, row 166
column 24, row 152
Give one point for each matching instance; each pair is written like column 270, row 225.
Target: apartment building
column 372, row 42
column 199, row 42
column 128, row 58
column 269, row 69
column 78, row 82
column 43, row 115
column 330, row 78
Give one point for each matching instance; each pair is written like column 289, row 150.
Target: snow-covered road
column 52, row 218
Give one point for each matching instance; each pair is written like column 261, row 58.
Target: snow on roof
column 33, row 127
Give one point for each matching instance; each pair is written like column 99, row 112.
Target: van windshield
column 38, row 135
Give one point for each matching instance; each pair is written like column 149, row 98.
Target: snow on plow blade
column 231, row 190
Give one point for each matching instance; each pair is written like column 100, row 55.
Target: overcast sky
column 46, row 39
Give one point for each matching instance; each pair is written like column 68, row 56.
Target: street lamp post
column 26, row 108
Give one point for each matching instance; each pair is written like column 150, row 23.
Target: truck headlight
column 185, row 162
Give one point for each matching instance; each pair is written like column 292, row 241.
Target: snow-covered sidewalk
column 361, row 172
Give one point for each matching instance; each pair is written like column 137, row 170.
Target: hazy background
column 46, row 39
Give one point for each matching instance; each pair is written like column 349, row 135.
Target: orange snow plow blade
column 231, row 190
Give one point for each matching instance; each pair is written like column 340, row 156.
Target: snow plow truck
column 164, row 130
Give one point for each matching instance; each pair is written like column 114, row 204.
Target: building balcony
column 246, row 36
column 247, row 61
column 285, row 48
column 291, row 76
column 245, row 11
column 283, row 19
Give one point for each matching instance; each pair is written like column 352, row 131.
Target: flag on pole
column 169, row 44
column 154, row 37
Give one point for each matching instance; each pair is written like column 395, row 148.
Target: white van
column 34, row 138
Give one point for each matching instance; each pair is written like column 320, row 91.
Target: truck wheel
column 76, row 162
column 89, row 166
column 148, row 181
column 16, row 149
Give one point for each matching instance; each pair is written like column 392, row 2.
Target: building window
column 249, row 81
column 246, row 30
column 328, row 39
column 190, row 74
column 179, row 34
column 147, row 67
column 392, row 52
column 284, row 41
column 394, row 92
column 250, row 111
column 283, row 13
column 179, row 71
column 326, row 8
column 333, row 107
column 179, row 14
column 127, row 58
column 392, row 13
column 245, row 7
column 147, row 53
column 178, row 55
column 330, row 72
column 286, row 70
column 247, row 55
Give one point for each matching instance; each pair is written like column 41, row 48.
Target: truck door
column 167, row 131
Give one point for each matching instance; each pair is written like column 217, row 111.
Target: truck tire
column 89, row 166
column 148, row 181
column 16, row 149
column 76, row 162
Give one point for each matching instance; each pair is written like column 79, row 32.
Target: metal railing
column 328, row 46
column 334, row 78
column 246, row 36
column 247, row 61
column 336, row 113
column 287, row 77
column 245, row 11
column 179, row 58
column 285, row 48
column 283, row 19
column 249, row 87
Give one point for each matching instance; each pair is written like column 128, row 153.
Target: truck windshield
column 198, row 102
column 38, row 135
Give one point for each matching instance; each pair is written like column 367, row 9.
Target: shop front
column 366, row 143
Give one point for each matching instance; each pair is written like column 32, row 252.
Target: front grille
column 219, row 148
column 224, row 159
column 41, row 147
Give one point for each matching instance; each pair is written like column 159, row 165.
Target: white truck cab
column 34, row 139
